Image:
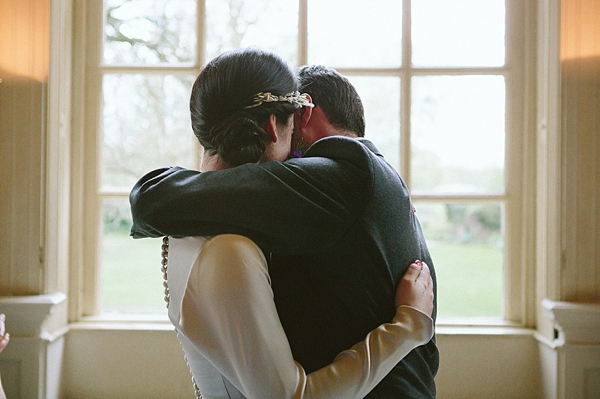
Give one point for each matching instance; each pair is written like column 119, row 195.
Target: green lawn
column 469, row 277
column 131, row 276
column 469, row 280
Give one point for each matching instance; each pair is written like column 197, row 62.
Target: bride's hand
column 416, row 288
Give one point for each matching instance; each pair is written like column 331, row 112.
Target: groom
column 338, row 222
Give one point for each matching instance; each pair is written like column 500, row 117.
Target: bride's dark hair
column 223, row 90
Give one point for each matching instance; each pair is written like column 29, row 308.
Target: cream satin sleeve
column 228, row 313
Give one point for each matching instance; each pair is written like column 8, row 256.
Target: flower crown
column 293, row 98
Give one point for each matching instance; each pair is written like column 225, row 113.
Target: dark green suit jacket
column 341, row 230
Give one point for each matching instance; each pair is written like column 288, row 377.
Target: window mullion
column 200, row 61
column 405, row 93
column 114, row 194
column 149, row 69
column 518, row 236
column 92, row 155
column 459, row 198
column 200, row 35
column 370, row 71
column 420, row 71
column 303, row 32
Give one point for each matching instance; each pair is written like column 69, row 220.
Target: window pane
column 381, row 98
column 458, row 32
column 131, row 276
column 269, row 24
column 466, row 245
column 149, row 31
column 457, row 134
column 348, row 33
column 146, row 125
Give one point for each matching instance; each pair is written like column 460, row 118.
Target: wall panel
column 580, row 61
column 24, row 63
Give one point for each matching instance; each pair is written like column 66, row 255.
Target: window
column 444, row 94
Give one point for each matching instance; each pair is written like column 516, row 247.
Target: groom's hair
column 335, row 95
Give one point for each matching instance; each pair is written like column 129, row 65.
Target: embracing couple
column 291, row 277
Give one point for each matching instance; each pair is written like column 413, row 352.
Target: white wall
column 486, row 363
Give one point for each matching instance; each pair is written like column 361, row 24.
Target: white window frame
column 519, row 198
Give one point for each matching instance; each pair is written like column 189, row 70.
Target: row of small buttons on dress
column 164, row 263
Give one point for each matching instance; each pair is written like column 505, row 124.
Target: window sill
column 446, row 330
column 124, row 321
column 160, row 322
column 480, row 326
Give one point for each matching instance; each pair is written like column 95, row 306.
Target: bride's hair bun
column 239, row 140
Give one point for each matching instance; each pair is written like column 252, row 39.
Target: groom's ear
column 303, row 115
column 271, row 128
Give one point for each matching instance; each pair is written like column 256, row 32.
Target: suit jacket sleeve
column 299, row 206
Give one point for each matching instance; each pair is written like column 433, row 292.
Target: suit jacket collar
column 370, row 146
